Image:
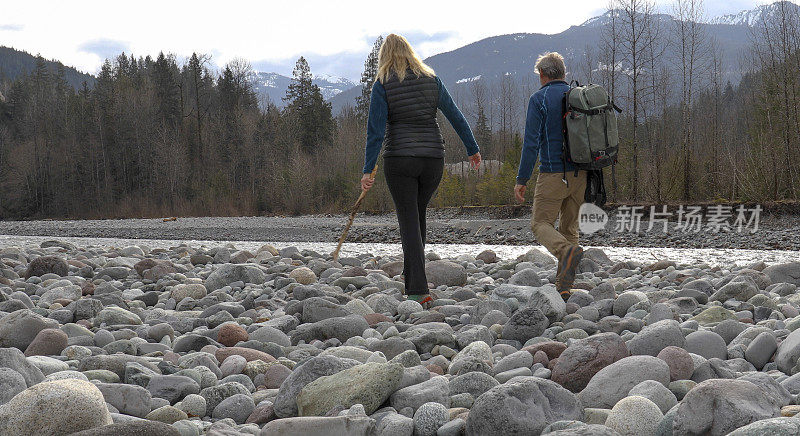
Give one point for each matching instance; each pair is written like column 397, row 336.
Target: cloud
column 11, row 27
column 104, row 48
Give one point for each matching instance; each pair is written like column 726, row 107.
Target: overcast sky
column 333, row 35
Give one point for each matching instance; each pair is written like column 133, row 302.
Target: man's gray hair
column 551, row 64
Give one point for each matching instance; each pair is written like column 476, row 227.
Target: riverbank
column 777, row 231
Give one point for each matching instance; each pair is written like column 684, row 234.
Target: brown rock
column 48, row 342
column 355, row 271
column 157, row 272
column 436, row 369
column 275, row 375
column 87, row 288
column 261, row 414
column 76, row 263
column 585, row 357
column 681, row 365
column 47, row 264
column 374, row 318
column 541, row 357
column 553, row 349
column 231, row 334
column 64, row 302
column 248, row 353
column 393, row 268
column 144, row 265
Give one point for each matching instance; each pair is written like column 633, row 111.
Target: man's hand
column 475, row 160
column 519, row 193
column 366, row 182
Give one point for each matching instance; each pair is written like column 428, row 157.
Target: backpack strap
column 565, row 107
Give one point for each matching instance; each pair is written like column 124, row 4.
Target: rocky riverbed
column 268, row 340
column 776, row 231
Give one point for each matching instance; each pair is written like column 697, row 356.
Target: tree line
column 158, row 137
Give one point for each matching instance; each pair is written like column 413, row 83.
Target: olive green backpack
column 591, row 139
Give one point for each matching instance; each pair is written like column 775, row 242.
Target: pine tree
column 483, row 133
column 367, row 79
column 312, row 114
column 165, row 78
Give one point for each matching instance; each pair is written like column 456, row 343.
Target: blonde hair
column 396, row 56
column 551, row 65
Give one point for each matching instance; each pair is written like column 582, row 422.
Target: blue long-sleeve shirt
column 544, row 137
column 379, row 112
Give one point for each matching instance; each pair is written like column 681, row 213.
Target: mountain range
column 272, row 86
column 486, row 60
column 515, row 54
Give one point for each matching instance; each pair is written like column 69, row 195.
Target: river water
column 721, row 257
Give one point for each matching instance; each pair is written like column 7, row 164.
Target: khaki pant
column 551, row 198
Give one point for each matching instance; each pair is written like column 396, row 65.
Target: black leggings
column 412, row 182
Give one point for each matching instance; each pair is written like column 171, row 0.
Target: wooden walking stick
column 353, row 215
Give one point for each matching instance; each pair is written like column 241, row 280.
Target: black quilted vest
column 411, row 127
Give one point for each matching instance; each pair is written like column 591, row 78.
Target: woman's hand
column 519, row 193
column 366, row 182
column 475, row 160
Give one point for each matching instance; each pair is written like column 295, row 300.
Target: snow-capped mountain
column 752, row 17
column 602, row 20
column 490, row 59
column 272, row 86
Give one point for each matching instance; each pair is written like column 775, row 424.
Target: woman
column 402, row 116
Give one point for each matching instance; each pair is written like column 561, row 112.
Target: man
column 559, row 189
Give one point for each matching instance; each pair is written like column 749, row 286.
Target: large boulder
column 56, row 407
column 435, row 390
column 771, row 427
column 172, row 387
column 320, row 426
column 131, row 400
column 784, row 273
column 341, row 328
column 524, row 324
column 547, row 299
column 369, row 385
column 285, row 404
column 19, row 328
column 788, row 352
column 655, row 337
column 11, row 383
column 230, row 273
column 523, row 405
column 13, row 359
column 717, row 407
column 634, row 416
column 586, row 357
column 445, row 272
column 134, row 427
column 47, row 265
column 214, row 395
column 613, row 382
column 48, row 342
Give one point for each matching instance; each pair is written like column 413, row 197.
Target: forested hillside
column 157, row 137
column 16, row 63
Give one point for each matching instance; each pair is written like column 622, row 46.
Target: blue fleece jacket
column 379, row 112
column 544, row 137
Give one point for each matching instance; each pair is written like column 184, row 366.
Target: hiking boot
column 568, row 265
